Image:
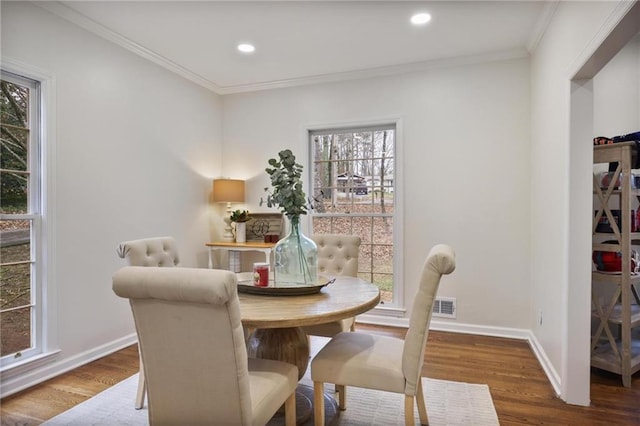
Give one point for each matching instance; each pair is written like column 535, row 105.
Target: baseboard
column 46, row 372
column 506, row 332
column 453, row 327
column 551, row 372
column 482, row 330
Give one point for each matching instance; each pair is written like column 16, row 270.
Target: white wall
column 616, row 93
column 561, row 197
column 137, row 147
column 465, row 169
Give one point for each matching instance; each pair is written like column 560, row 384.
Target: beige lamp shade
column 228, row 191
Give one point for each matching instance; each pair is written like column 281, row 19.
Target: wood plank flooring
column 521, row 392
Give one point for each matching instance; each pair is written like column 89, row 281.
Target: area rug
column 448, row 403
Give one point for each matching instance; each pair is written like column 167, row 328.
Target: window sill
column 18, row 368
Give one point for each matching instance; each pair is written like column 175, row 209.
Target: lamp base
column 228, row 232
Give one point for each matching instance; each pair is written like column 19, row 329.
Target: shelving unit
column 616, row 350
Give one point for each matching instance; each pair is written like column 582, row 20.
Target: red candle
column 261, row 274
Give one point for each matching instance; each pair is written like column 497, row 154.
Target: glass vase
column 296, row 258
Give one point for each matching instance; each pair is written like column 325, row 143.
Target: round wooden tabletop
column 346, row 297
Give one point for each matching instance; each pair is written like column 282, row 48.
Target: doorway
column 576, row 378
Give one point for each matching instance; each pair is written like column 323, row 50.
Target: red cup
column 261, row 274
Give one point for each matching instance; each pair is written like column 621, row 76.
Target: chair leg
column 318, row 403
column 342, row 396
column 408, row 411
column 290, row 410
column 142, row 388
column 422, row 408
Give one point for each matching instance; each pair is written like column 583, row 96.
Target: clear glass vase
column 296, row 258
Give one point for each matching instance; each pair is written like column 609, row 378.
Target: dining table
column 274, row 316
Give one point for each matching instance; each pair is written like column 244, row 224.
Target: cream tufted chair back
column 337, row 255
column 191, row 340
column 160, row 251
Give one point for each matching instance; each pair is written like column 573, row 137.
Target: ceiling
column 304, row 42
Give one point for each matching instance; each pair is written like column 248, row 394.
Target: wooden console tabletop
column 235, row 248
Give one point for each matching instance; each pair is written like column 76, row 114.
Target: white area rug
column 448, row 403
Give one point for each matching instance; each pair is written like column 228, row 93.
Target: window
column 353, row 181
column 21, row 320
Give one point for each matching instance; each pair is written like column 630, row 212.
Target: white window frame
column 43, row 226
column 397, row 308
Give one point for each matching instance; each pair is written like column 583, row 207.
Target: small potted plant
column 240, row 217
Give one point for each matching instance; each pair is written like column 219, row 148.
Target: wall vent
column 444, row 307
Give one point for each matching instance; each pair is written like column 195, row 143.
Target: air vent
column 444, row 307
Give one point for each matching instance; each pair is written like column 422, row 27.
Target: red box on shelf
column 271, row 238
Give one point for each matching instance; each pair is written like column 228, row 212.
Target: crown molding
column 544, row 19
column 377, row 72
column 90, row 25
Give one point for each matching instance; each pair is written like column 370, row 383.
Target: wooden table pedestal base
column 281, row 344
column 290, row 345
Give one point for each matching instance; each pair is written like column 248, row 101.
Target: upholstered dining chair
column 337, row 255
column 158, row 251
column 383, row 362
column 192, row 343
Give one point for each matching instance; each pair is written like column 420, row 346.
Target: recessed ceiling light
column 246, row 48
column 420, row 18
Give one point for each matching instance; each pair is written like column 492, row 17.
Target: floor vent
column 444, row 307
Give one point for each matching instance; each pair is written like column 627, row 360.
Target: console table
column 234, row 250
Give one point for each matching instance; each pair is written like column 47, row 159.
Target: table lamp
column 228, row 191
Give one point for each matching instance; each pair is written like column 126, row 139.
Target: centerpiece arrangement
column 296, row 256
column 240, row 217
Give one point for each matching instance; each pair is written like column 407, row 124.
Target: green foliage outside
column 15, row 272
column 14, row 147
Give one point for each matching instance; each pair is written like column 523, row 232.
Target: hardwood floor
column 521, row 392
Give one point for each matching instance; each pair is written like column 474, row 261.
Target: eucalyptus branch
column 287, row 194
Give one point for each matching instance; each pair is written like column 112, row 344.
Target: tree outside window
column 19, row 202
column 353, row 193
